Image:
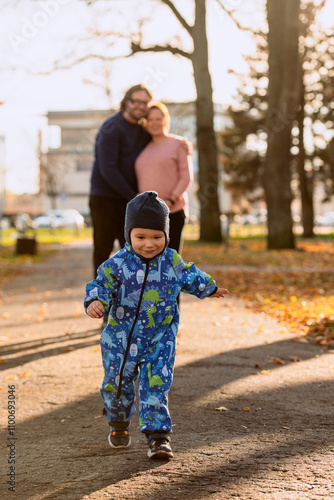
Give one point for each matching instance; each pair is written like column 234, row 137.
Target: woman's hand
column 187, row 146
column 95, row 309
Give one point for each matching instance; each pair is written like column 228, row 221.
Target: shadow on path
column 83, row 463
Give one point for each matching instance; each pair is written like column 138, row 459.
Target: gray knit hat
column 147, row 211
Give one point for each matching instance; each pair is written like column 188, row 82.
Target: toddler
column 137, row 287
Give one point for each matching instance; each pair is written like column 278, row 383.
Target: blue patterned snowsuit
column 140, row 337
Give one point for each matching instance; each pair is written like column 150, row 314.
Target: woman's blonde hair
column 163, row 108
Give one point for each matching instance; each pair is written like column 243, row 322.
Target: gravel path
column 252, row 408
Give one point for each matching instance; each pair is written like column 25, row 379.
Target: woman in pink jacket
column 165, row 166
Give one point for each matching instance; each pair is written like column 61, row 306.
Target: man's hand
column 170, row 202
column 187, row 146
column 95, row 309
column 221, row 292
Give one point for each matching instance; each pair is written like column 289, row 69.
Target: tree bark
column 305, row 184
column 210, row 229
column 283, row 97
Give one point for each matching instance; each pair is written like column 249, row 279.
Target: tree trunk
column 210, row 229
column 305, row 184
column 53, row 201
column 283, row 96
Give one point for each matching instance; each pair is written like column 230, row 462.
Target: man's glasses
column 138, row 102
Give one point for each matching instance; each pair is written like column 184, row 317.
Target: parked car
column 23, row 222
column 326, row 219
column 60, row 218
column 252, row 219
column 87, row 218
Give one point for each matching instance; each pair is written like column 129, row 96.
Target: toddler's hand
column 221, row 292
column 95, row 309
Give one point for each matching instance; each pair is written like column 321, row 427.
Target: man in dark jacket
column 119, row 141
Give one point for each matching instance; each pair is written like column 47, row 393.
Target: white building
column 66, row 167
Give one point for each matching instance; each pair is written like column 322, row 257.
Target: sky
column 35, row 33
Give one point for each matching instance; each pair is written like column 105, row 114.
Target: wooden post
column 26, row 245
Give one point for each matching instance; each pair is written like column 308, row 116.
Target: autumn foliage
column 294, row 286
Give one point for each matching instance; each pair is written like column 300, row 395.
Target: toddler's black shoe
column 159, row 448
column 119, row 438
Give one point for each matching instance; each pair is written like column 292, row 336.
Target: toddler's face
column 147, row 242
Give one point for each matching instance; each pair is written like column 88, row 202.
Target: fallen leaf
column 302, row 340
column 221, row 408
column 96, row 348
column 278, row 361
column 68, row 349
column 265, row 372
column 294, row 359
column 25, row 374
column 257, row 366
column 2, row 360
column 10, row 378
column 246, row 408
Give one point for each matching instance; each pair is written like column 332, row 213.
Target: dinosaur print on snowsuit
column 140, row 337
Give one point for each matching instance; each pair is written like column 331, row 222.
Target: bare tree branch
column 178, row 16
column 57, row 66
column 136, row 47
column 230, row 13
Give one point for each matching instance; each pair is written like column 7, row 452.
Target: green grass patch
column 12, row 265
column 46, row 236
